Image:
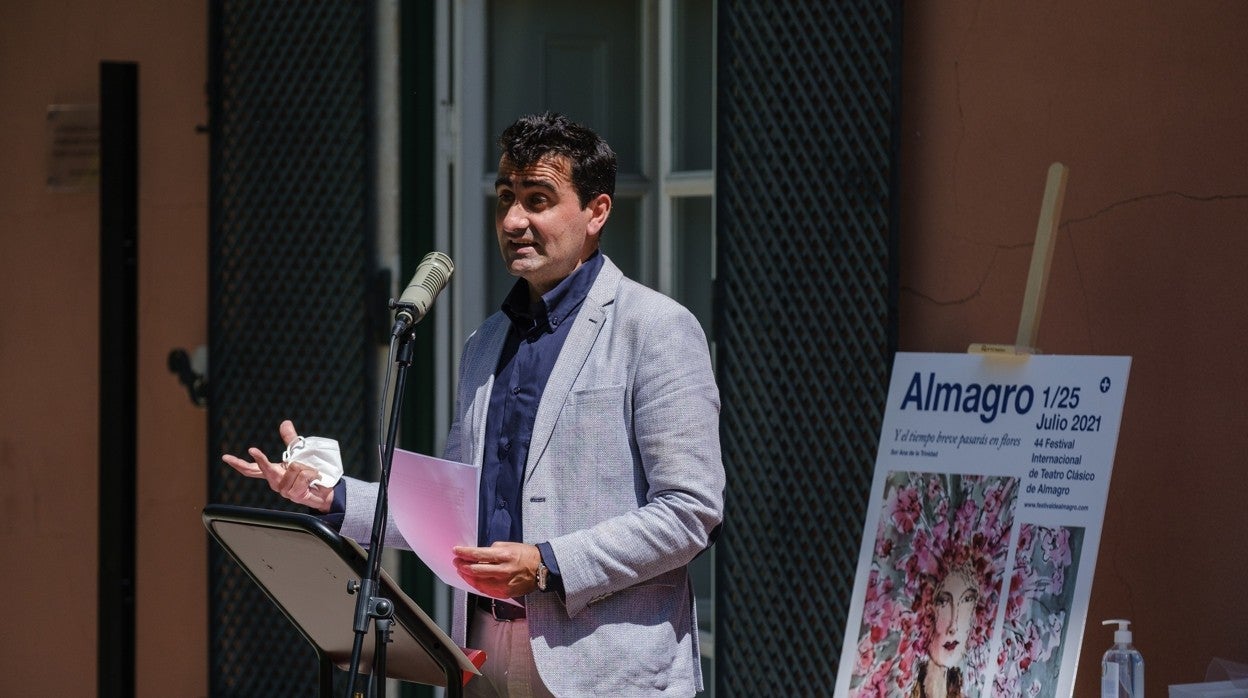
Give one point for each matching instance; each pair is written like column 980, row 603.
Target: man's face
column 954, row 611
column 543, row 232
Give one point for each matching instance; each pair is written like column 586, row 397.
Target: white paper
column 434, row 504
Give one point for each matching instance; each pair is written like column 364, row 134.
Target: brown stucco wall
column 1145, row 103
column 49, row 359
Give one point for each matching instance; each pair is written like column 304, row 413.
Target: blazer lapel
column 479, row 373
column 576, row 349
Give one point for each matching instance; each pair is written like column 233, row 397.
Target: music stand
column 303, row 566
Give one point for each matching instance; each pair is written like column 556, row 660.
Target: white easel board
column 994, row 471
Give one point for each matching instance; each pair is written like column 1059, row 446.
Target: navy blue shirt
column 536, row 336
column 537, row 333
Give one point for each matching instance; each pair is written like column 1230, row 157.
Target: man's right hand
column 291, row 480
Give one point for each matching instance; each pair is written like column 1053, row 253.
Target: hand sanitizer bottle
column 1122, row 667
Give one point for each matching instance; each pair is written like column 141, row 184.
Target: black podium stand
column 304, row 566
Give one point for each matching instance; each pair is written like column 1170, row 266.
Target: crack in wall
column 1148, row 197
column 1065, row 225
column 1074, row 251
column 975, row 293
column 1004, row 247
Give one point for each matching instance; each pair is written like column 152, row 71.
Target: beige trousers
column 509, row 671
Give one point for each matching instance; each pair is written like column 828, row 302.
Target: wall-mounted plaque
column 73, row 147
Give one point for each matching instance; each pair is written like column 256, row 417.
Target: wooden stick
column 1042, row 255
column 1038, row 274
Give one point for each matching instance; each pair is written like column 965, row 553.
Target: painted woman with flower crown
column 935, row 581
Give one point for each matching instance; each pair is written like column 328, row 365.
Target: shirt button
column 502, row 503
column 515, row 390
column 554, row 322
column 506, row 447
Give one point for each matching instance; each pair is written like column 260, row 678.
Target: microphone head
column 432, row 275
column 437, row 269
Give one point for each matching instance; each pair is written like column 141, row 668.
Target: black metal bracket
column 196, row 384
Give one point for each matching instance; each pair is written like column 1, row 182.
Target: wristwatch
column 543, row 576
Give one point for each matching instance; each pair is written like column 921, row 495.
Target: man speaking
column 590, row 406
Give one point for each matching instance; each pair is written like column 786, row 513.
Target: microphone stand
column 368, row 606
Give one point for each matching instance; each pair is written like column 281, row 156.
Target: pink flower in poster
column 1056, row 581
column 1056, row 545
column 940, row 523
column 883, row 548
column 1014, row 604
column 994, row 502
column 905, row 510
column 964, row 522
column 876, row 685
column 878, row 606
column 1025, row 539
column 866, row 656
column 924, row 557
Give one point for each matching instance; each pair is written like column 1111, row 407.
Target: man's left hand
column 504, row 569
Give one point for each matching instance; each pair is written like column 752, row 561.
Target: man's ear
column 599, row 209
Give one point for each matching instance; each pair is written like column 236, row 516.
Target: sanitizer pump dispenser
column 1122, row 667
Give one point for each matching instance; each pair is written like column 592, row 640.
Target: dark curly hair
column 536, row 136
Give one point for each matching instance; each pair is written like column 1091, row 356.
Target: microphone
column 430, row 278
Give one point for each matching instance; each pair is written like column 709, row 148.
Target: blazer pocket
column 608, row 395
column 593, row 432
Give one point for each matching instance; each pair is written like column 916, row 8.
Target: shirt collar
column 557, row 304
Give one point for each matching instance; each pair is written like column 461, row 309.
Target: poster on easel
column 982, row 526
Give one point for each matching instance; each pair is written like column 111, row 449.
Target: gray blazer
column 625, row 481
